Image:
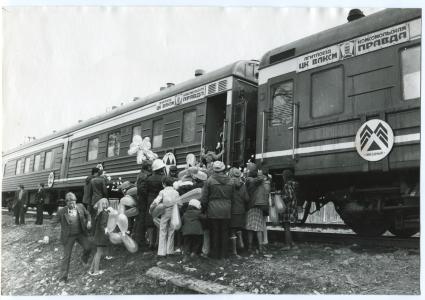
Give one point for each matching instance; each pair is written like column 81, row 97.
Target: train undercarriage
column 369, row 205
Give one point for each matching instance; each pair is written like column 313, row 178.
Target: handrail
column 262, row 136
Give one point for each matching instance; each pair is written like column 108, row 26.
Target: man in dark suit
column 39, row 201
column 87, row 196
column 75, row 222
column 20, row 203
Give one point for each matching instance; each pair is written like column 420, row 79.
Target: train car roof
column 347, row 31
column 236, row 69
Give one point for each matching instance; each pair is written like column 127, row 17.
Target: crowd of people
column 204, row 210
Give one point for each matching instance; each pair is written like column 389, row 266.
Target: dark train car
column 341, row 108
column 181, row 119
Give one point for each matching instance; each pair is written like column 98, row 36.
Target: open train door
column 244, row 118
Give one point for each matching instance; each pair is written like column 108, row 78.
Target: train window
column 93, row 149
column 327, row 94
column 411, row 71
column 27, row 165
column 18, row 167
column 157, row 133
column 48, row 160
column 36, row 166
column 137, row 130
column 114, row 144
column 189, row 124
column 282, row 103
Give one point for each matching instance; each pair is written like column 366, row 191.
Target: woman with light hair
column 100, row 234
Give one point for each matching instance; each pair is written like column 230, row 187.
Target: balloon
column 121, row 208
column 137, row 139
column 158, row 210
column 127, row 200
column 278, row 202
column 129, row 243
column 115, row 238
column 157, row 222
column 122, row 222
column 190, row 160
column 169, row 160
column 193, row 194
column 132, row 212
column 112, row 222
column 176, row 222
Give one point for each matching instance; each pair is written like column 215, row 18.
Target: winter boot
column 234, row 251
column 240, row 240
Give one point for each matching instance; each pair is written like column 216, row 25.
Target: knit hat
column 234, row 172
column 218, row 166
column 195, row 203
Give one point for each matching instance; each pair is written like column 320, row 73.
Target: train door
column 279, row 122
column 215, row 124
column 244, row 114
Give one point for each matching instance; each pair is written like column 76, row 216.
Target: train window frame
column 47, row 167
column 185, row 112
column 402, row 81
column 153, row 133
column 117, row 142
column 38, row 164
column 132, row 131
column 27, row 166
column 18, row 170
column 88, row 148
column 273, row 86
column 342, row 109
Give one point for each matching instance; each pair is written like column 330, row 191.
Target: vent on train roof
column 222, row 85
column 282, row 55
column 212, row 88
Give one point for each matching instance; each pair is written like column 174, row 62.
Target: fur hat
column 235, row 172
column 218, row 166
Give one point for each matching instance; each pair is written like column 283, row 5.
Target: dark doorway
column 215, row 117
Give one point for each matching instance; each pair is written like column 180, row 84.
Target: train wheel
column 405, row 232
column 369, row 227
column 364, row 224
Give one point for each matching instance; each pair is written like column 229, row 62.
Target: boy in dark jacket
column 192, row 229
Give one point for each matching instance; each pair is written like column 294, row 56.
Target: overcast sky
column 62, row 64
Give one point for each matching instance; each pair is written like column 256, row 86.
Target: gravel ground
column 31, row 268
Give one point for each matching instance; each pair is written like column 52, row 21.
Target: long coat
column 217, row 196
column 191, row 223
column 62, row 217
column 86, row 195
column 151, row 190
column 97, row 189
column 24, row 198
column 40, row 196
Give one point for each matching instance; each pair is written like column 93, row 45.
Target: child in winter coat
column 100, row 234
column 168, row 197
column 192, row 229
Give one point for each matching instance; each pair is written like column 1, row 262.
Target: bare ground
column 31, row 268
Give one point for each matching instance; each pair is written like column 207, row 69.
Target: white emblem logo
column 51, row 179
column 374, row 140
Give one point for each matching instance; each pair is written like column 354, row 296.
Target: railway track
column 277, row 234
column 336, row 234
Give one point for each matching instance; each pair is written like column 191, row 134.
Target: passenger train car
column 181, row 119
column 341, row 108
